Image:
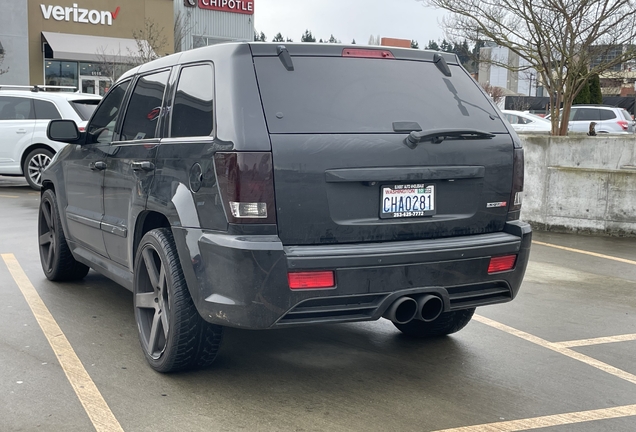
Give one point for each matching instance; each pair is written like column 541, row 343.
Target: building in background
column 87, row 44
column 492, row 59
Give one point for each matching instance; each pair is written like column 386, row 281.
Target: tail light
column 246, row 183
column 311, row 280
column 81, row 128
column 502, row 263
column 514, row 209
column 623, row 124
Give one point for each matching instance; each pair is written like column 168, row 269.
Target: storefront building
column 87, row 44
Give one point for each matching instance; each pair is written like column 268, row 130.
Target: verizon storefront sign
column 78, row 14
column 237, row 6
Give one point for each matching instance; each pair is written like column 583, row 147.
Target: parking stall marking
column 558, row 348
column 8, row 196
column 90, row 397
column 584, row 252
column 596, row 341
column 549, row 421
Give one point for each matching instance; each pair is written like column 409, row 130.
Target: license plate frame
column 423, row 192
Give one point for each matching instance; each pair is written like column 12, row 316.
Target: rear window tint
column 354, row 95
column 45, row 110
column 85, row 108
column 607, row 114
column 586, row 114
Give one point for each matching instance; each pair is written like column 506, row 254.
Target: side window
column 144, row 108
column 45, row 110
column 512, row 119
column 193, row 102
column 102, row 125
column 606, row 114
column 16, row 108
column 586, row 114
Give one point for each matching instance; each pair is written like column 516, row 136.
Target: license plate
column 409, row 200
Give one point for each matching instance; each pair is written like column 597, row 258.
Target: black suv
column 258, row 186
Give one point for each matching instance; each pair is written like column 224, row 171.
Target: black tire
column 445, row 324
column 56, row 257
column 173, row 335
column 34, row 164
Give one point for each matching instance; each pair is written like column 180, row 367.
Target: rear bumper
column 241, row 281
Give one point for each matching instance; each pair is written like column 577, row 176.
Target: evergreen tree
column 333, row 40
column 432, row 45
column 308, row 37
column 583, row 96
column 414, row 44
column 596, row 97
column 278, row 38
column 353, row 42
column 321, row 41
column 289, row 40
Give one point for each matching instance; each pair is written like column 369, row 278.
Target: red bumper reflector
column 502, row 263
column 311, row 280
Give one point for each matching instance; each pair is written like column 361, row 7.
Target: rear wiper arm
column 436, row 136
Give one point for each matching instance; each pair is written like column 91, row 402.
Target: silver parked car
column 24, row 116
column 609, row 119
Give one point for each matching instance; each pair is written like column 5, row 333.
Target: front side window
column 16, row 108
column 192, row 108
column 102, row 125
column 144, row 108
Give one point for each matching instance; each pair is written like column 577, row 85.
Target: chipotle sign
column 237, row 6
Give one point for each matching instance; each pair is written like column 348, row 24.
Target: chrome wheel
column 34, row 165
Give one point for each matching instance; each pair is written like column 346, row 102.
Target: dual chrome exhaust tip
column 424, row 307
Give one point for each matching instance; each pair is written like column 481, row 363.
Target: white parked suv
column 608, row 119
column 24, row 116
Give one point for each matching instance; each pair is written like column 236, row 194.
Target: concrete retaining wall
column 580, row 183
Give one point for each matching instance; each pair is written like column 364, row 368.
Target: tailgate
column 342, row 170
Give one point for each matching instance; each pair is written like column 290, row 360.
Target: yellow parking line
column 594, row 254
column 557, row 348
column 596, row 341
column 94, row 404
column 551, row 420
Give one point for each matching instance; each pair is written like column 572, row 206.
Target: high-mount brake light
column 502, row 263
column 367, row 53
column 246, row 183
column 311, row 280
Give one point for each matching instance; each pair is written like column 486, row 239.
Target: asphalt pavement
column 560, row 357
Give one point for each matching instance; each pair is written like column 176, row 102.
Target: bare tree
column 112, row 64
column 2, row 54
column 495, row 93
column 557, row 38
column 182, row 28
column 149, row 40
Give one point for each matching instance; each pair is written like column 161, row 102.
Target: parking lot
column 560, row 357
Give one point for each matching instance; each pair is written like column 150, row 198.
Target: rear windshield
column 85, row 107
column 354, row 95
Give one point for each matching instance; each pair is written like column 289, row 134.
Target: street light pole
column 530, row 86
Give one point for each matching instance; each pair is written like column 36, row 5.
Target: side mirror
column 64, row 131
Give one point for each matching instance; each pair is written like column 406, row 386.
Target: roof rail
column 36, row 88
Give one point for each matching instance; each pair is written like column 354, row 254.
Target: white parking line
column 94, row 404
column 557, row 348
column 551, row 420
column 584, row 252
column 596, row 341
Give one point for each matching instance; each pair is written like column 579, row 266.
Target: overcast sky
column 348, row 19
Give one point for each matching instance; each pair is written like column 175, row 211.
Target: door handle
column 97, row 166
column 142, row 166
